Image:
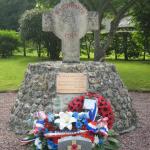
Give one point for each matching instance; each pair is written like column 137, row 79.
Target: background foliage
column 132, row 46
column 9, row 41
column 11, row 10
column 31, row 29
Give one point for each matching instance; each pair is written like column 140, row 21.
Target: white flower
column 65, row 120
column 96, row 140
column 38, row 143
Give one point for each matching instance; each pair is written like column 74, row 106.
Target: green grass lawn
column 12, row 71
column 135, row 74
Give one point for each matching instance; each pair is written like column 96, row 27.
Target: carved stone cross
column 70, row 21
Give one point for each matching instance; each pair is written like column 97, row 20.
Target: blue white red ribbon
column 39, row 124
column 92, row 126
column 27, row 140
column 51, row 145
column 104, row 131
column 93, row 113
column 38, row 143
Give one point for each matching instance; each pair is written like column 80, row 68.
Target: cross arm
column 93, row 20
column 47, row 22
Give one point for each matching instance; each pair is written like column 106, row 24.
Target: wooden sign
column 71, row 83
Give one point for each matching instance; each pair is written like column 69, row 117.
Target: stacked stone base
column 38, row 92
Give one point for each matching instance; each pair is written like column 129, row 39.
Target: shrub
column 31, row 29
column 9, row 41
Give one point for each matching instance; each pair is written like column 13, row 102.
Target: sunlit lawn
column 135, row 74
column 12, row 71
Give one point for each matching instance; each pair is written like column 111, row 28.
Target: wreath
column 92, row 124
column 104, row 106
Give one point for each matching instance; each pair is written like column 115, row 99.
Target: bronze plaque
column 71, row 83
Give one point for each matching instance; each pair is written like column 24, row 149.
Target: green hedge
column 9, row 41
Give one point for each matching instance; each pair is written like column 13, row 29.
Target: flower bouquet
column 49, row 128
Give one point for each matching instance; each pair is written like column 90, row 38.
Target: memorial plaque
column 71, row 83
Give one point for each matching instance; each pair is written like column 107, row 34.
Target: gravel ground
column 8, row 140
column 138, row 139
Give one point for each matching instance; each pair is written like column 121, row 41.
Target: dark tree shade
column 142, row 15
column 11, row 10
column 142, row 18
column 9, row 41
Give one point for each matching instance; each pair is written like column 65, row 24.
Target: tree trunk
column 89, row 50
column 11, row 53
column 24, row 49
column 144, row 56
column 53, row 45
column 125, row 46
column 99, row 53
column 116, row 56
column 88, row 47
column 48, row 54
column 145, row 46
column 116, row 47
column 39, row 49
column 97, row 45
column 3, row 54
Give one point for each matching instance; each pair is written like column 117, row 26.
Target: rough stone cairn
column 38, row 92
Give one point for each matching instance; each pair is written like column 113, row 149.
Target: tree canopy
column 115, row 10
column 11, row 10
column 31, row 29
column 141, row 15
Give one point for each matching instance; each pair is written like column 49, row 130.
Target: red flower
column 74, row 147
column 104, row 106
column 49, row 126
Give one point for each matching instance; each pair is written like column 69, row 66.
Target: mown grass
column 135, row 74
column 12, row 71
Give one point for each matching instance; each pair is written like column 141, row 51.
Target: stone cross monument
column 50, row 86
column 70, row 21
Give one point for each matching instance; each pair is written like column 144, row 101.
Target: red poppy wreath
column 104, row 106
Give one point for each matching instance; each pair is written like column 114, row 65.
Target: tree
column 46, row 3
column 125, row 42
column 141, row 15
column 11, row 10
column 31, row 29
column 117, row 9
column 9, row 41
column 87, row 44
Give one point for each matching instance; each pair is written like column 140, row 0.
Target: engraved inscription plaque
column 71, row 83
